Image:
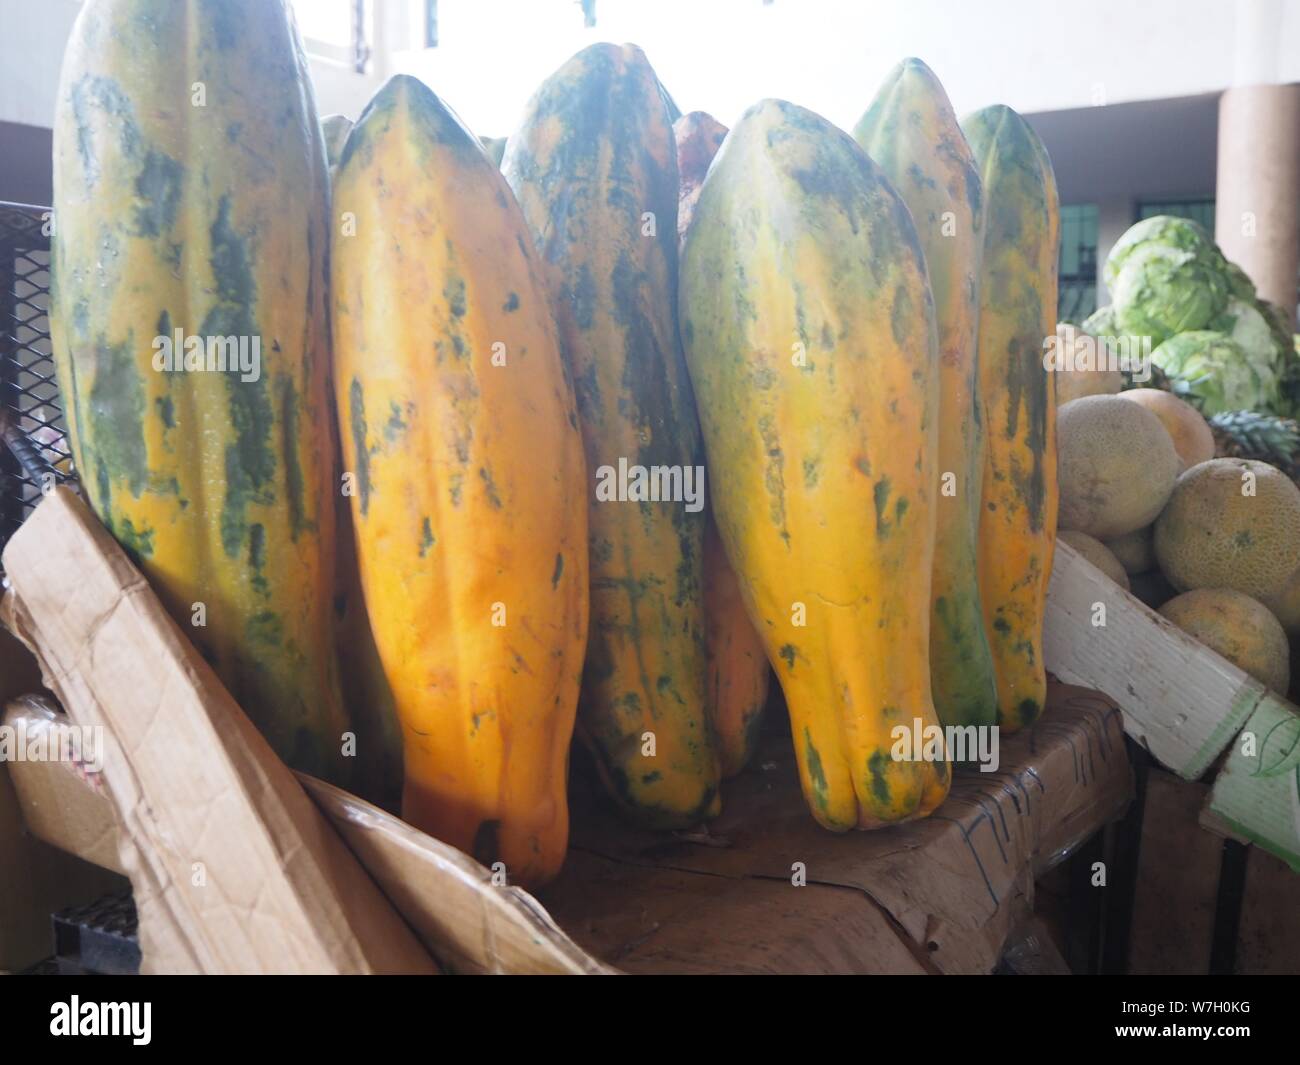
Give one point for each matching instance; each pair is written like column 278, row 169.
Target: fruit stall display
column 457, row 351
column 589, row 434
column 1177, row 475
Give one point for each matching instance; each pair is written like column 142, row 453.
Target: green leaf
column 1279, row 751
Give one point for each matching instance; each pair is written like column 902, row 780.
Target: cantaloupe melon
column 1285, row 604
column 1080, row 376
column 1117, row 466
column 1238, row 627
column 1231, row 523
column 1097, row 553
column 1136, row 550
column 1189, row 431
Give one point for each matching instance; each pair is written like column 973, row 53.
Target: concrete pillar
column 1257, row 211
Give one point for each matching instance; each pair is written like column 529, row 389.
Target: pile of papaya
column 443, row 457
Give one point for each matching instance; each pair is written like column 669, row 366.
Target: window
column 337, row 30
column 1077, row 295
column 1197, row 210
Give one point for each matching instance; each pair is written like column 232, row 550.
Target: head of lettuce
column 1212, row 371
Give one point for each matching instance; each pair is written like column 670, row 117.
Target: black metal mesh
column 28, row 390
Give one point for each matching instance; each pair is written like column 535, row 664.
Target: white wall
column 830, row 55
column 722, row 55
column 33, row 34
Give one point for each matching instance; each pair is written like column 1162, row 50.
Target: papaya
column 698, row 136
column 459, row 428
column 335, row 129
column 1017, row 318
column 189, row 332
column 810, row 332
column 367, row 696
column 737, row 671
column 911, row 133
column 594, row 167
column 736, row 679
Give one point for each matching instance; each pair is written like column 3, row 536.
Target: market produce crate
column 1190, row 708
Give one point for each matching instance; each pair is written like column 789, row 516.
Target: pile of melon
column 1212, row 543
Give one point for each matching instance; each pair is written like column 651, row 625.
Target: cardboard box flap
column 469, row 923
column 234, row 868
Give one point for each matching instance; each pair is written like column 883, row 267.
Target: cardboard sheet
column 234, row 869
column 939, row 895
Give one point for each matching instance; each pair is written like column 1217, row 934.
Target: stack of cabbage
column 1221, row 346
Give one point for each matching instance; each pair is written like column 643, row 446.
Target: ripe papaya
column 736, row 679
column 698, row 136
column 335, row 129
column 367, row 695
column 459, row 426
column 595, row 169
column 810, row 332
column 1017, row 316
column 190, row 338
column 911, row 133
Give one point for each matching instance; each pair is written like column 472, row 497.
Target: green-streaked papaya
column 810, row 333
column 737, row 673
column 335, row 130
column 190, row 337
column 911, row 133
column 1017, row 318
column 595, row 170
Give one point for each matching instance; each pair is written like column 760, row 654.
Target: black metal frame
column 32, row 420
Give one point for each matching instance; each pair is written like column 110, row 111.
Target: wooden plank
column 1177, row 885
column 1181, row 701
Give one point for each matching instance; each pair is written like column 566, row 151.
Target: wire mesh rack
column 29, row 394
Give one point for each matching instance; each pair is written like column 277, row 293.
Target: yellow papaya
column 458, row 424
column 1017, row 317
column 736, row 680
column 810, row 333
column 595, row 169
column 911, row 133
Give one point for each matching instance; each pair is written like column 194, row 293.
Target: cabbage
column 1250, row 329
column 1239, row 282
column 1212, row 370
column 1162, row 290
column 1101, row 322
column 1279, row 322
column 1166, row 231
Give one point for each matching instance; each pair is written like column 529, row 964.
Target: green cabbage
column 1211, row 370
column 1166, row 231
column 1250, row 329
column 1161, row 291
column 1101, row 322
column 1239, row 282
